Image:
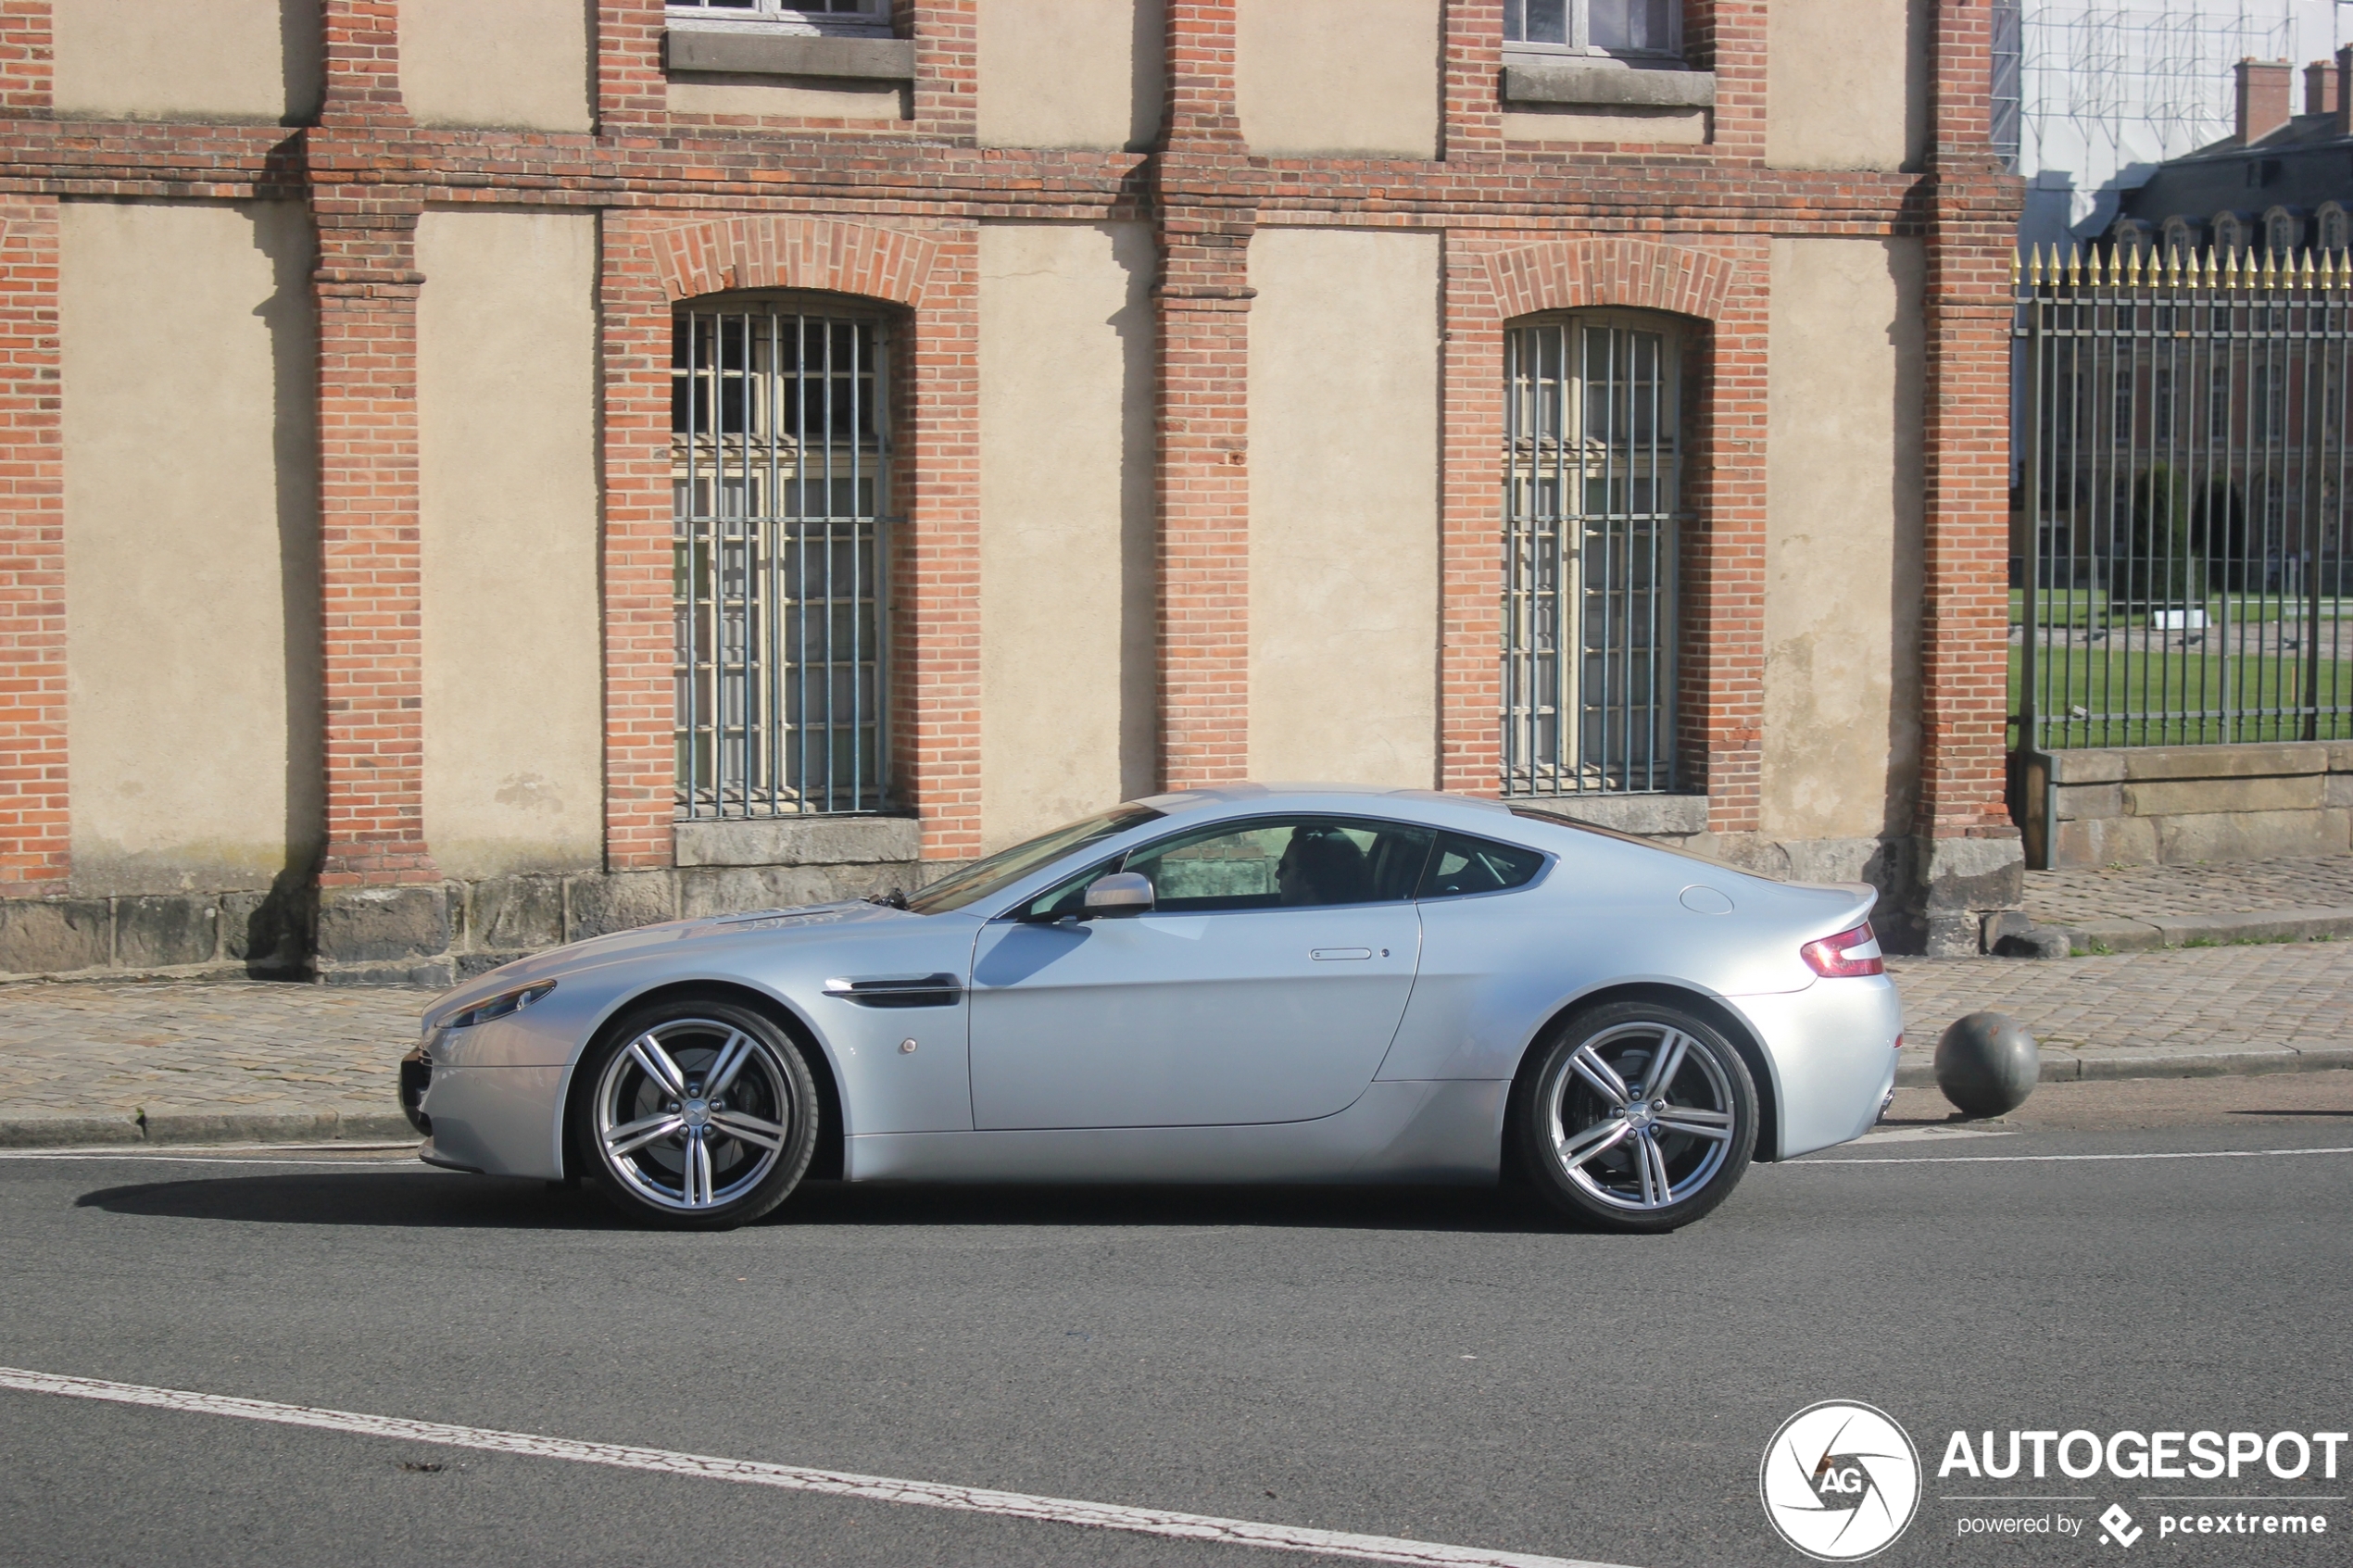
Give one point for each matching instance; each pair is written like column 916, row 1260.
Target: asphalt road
column 1452, row 1367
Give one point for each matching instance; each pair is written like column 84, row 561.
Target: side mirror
column 1121, row 893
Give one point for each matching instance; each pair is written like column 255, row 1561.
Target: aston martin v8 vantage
column 1233, row 985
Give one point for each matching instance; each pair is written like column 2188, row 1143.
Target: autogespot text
column 2147, row 1456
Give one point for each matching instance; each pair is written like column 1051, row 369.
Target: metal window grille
column 1590, row 481
column 2183, row 576
column 779, row 478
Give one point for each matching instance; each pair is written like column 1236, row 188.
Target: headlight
column 499, row 1006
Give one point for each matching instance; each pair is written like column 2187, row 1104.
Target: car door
column 1266, row 985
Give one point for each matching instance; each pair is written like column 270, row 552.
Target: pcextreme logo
column 1840, row 1481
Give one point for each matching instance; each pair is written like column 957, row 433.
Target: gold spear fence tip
column 2074, row 265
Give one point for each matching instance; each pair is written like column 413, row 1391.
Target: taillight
column 1848, row 953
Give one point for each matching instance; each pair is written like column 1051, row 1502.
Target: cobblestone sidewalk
column 2147, row 893
column 186, row 1062
column 193, row 1060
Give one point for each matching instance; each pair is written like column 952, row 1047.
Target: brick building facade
column 350, row 399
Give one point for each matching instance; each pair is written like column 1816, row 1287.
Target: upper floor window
column 2336, row 230
column 1596, row 26
column 857, row 19
column 2283, row 232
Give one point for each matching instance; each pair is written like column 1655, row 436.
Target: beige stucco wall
column 157, row 59
column 1846, row 83
column 191, row 544
column 1065, row 522
column 1071, row 73
column 831, row 98
column 506, row 400
column 1343, row 507
column 1843, row 378
column 1338, row 76
column 520, row 63
column 1568, row 123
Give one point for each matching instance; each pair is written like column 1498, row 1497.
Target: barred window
column 779, row 482
column 1591, row 476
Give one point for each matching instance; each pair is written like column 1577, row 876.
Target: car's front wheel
column 1641, row 1116
column 698, row 1114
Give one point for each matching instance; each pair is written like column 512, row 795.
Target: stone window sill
column 1541, row 79
column 1657, row 815
column 710, row 51
column 799, row 841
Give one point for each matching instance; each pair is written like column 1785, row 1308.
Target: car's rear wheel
column 699, row 1114
column 1641, row 1117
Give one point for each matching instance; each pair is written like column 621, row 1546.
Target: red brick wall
column 35, row 826
column 1972, row 216
column 371, row 570
column 891, row 216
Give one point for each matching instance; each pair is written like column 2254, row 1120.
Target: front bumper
column 499, row 1121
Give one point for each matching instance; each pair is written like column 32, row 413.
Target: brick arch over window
column 796, row 253
column 1633, row 275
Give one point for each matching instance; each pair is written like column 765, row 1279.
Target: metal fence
column 2182, row 578
column 779, row 467
column 1590, row 481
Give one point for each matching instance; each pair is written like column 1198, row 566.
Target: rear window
column 1463, row 865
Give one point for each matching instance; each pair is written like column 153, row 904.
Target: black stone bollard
column 1986, row 1064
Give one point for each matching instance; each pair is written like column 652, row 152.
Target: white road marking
column 1803, row 1162
column 874, row 1489
column 1934, row 1135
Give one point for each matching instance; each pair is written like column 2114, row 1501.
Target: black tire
column 651, row 1173
column 1592, row 1139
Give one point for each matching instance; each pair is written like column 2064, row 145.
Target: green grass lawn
column 2112, row 687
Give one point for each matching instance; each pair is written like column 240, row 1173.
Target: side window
column 1476, row 865
column 1284, row 862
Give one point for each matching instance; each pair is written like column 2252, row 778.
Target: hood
column 595, row 951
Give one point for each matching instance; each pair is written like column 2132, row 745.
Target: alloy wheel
column 1642, row 1119
column 692, row 1114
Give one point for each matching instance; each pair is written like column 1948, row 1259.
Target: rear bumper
column 1832, row 1047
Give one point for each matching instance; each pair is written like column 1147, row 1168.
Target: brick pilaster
column 1470, row 548
column 25, row 59
column 640, row 635
column 1472, row 129
column 1972, row 216
column 1201, row 472
column 946, row 37
column 35, row 831
column 935, row 555
column 366, row 286
column 631, row 88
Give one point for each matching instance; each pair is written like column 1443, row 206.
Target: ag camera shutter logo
column 1840, row 1481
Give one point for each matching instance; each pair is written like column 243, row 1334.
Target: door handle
column 1326, row 955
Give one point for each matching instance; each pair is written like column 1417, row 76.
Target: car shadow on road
column 434, row 1200
column 407, row 1197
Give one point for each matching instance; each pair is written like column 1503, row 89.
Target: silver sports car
column 1235, row 984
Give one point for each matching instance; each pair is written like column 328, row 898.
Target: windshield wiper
column 894, row 899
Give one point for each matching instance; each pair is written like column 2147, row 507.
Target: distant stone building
column 480, row 474
column 2281, row 183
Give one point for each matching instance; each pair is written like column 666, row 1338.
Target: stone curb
column 2257, row 926
column 2063, row 1066
column 137, row 1129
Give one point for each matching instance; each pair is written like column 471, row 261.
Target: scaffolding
column 2104, row 93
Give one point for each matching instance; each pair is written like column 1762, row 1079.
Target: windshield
column 1008, row 866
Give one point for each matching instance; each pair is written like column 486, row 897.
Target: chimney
column 2320, row 87
column 2263, row 89
column 2345, row 91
